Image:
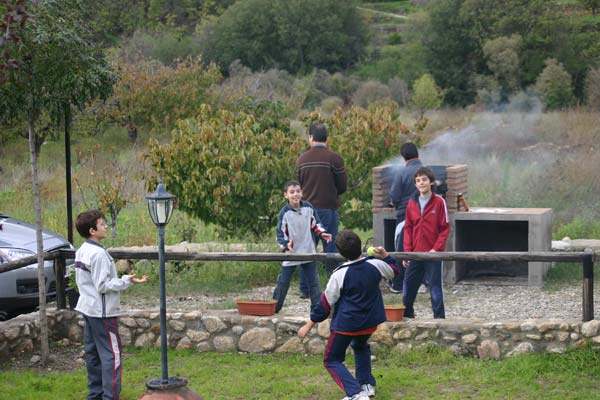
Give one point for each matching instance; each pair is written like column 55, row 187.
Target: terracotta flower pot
column 256, row 307
column 394, row 313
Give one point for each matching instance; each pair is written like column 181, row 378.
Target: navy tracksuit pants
column 413, row 276
column 103, row 357
column 335, row 355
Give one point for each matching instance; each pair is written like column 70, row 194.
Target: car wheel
column 3, row 316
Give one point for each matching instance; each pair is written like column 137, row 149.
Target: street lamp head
column 160, row 205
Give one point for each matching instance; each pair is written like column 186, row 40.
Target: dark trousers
column 414, row 274
column 103, row 357
column 285, row 276
column 329, row 221
column 397, row 282
column 335, row 355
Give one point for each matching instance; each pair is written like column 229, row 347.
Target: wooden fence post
column 588, row 287
column 60, row 265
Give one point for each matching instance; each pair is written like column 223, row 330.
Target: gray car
column 19, row 288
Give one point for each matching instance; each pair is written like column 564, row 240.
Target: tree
column 295, row 35
column 59, row 68
column 451, row 53
column 592, row 88
column 426, row 95
column 110, row 182
column 592, row 5
column 228, row 168
column 457, row 31
column 14, row 15
column 554, row 85
column 150, row 94
column 502, row 56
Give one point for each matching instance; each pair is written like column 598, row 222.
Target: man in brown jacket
column 322, row 175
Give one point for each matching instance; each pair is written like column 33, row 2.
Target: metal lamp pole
column 160, row 207
column 163, row 303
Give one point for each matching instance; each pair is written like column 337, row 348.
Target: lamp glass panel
column 152, row 210
column 161, row 211
column 169, row 209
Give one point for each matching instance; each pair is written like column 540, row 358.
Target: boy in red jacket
column 426, row 230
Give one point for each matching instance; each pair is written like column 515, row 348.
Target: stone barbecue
column 476, row 229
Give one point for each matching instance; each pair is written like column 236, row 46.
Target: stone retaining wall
column 228, row 331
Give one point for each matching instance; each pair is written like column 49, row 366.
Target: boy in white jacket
column 99, row 296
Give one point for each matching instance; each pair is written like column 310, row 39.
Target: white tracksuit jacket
column 98, row 283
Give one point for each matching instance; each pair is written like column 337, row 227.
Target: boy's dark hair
column 318, row 132
column 289, row 183
column 424, row 171
column 87, row 220
column 409, row 150
column 348, row 244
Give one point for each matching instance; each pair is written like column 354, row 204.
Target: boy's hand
column 380, row 252
column 303, row 331
column 143, row 279
column 405, row 263
column 326, row 236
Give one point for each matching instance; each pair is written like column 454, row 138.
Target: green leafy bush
column 554, row 85
column 229, row 168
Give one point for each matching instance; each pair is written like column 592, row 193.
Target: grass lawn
column 428, row 373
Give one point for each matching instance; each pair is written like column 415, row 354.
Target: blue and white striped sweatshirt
column 353, row 289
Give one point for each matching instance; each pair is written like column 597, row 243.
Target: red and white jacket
column 428, row 230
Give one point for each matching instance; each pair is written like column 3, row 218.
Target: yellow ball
column 371, row 251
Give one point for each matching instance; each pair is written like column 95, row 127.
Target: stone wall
column 228, row 331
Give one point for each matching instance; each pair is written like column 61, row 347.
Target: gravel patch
column 464, row 301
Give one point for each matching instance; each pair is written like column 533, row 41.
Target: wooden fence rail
column 587, row 259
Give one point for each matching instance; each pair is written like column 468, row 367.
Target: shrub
column 426, row 95
column 330, row 104
column 150, row 94
column 167, row 46
column 502, row 56
column 295, row 35
column 228, row 168
column 553, row 85
column 592, row 88
column 399, row 91
column 369, row 92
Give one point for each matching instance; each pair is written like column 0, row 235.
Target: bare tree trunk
column 33, row 153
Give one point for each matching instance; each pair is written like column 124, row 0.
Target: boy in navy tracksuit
column 296, row 224
column 353, row 289
column 425, row 230
column 99, row 295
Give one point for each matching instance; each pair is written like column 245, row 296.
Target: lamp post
column 160, row 207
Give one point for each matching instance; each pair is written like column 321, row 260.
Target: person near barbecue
column 426, row 229
column 322, row 174
column 402, row 189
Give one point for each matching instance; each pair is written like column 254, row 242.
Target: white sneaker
column 358, row 396
column 368, row 389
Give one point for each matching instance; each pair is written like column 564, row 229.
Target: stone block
column 257, row 340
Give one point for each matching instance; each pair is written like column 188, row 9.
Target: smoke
column 506, row 159
column 491, row 134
